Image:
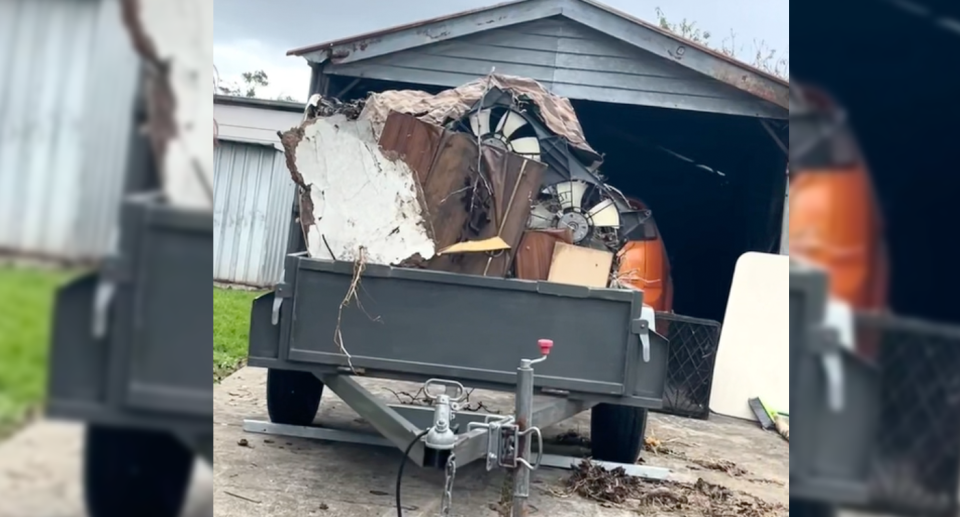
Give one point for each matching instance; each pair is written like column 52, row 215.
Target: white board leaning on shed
column 753, row 359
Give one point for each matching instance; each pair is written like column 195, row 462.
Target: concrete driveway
column 40, row 469
column 286, row 477
column 283, row 477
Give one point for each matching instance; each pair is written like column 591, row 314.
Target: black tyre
column 801, row 508
column 293, row 397
column 616, row 432
column 131, row 472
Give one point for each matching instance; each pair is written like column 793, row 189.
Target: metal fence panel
column 252, row 196
column 693, row 346
column 916, row 464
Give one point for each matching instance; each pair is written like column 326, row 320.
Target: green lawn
column 231, row 325
column 26, row 308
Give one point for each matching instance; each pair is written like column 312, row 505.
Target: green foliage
column 231, row 328
column 251, row 81
column 761, row 56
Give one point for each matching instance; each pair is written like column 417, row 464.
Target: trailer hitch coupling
column 508, row 437
column 441, row 436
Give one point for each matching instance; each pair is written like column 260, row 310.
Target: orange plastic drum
column 835, row 223
column 645, row 265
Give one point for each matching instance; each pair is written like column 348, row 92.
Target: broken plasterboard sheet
column 175, row 40
column 358, row 197
column 580, row 266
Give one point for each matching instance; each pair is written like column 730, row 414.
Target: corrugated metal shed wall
column 65, row 108
column 253, row 193
column 566, row 57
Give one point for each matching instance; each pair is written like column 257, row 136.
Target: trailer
column 594, row 349
column 130, row 353
column 878, row 435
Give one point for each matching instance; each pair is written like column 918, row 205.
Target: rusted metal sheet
column 535, row 253
column 462, row 204
column 416, row 142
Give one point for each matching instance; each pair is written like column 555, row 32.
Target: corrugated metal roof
column 733, row 72
column 253, row 102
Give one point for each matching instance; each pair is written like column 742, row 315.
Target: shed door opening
column 708, row 218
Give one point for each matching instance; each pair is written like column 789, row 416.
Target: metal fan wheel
column 582, row 208
column 500, row 127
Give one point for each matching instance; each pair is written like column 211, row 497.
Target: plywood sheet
column 580, row 266
column 753, row 359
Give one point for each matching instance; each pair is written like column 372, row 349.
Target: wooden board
column 580, row 266
column 753, row 359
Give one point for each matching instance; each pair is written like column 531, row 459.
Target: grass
column 231, row 326
column 26, row 309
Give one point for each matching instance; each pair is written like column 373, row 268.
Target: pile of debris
column 616, row 487
column 493, row 178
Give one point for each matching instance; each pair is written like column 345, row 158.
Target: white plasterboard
column 360, row 197
column 753, row 359
column 176, row 36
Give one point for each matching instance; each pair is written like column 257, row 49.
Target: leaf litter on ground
column 615, row 487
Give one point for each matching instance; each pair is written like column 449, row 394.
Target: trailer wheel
column 131, row 472
column 801, row 508
column 293, row 397
column 616, row 432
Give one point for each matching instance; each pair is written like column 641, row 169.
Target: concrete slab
column 40, row 474
column 282, row 477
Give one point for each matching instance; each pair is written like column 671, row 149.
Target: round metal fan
column 588, row 210
column 505, row 128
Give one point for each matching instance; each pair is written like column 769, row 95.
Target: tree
column 251, row 81
column 762, row 57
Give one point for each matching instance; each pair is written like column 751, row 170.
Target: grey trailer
column 131, row 353
column 451, row 330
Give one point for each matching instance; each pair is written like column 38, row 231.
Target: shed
column 252, row 191
column 695, row 134
column 64, row 127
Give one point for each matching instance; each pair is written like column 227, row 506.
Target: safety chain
column 449, row 474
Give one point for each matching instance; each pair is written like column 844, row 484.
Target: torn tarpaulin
column 557, row 112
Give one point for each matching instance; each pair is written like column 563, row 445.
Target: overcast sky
column 256, row 34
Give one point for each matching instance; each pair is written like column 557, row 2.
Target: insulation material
column 536, row 252
column 175, row 40
column 353, row 196
column 556, row 112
